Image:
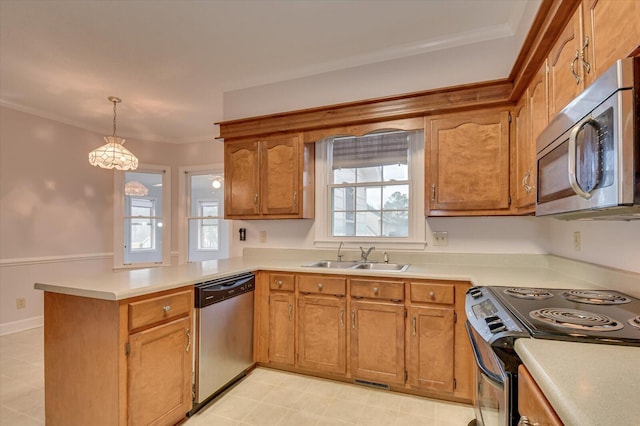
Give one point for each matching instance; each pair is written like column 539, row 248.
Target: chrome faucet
column 364, row 254
column 385, row 257
column 339, row 248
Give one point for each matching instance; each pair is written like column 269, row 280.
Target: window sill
column 381, row 244
column 139, row 266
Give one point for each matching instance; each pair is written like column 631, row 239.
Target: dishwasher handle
column 216, row 292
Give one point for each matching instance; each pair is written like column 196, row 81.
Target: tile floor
column 264, row 397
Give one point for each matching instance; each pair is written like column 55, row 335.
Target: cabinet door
column 160, row 374
column 613, row 29
column 431, row 353
column 280, row 176
column 322, row 344
column 523, row 145
column 242, row 172
column 566, row 78
column 532, row 403
column 377, row 342
column 281, row 328
column 469, row 161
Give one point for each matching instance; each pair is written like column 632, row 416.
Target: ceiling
column 171, row 61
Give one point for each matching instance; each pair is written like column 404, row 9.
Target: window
column 204, row 234
column 142, row 217
column 374, row 187
column 370, row 186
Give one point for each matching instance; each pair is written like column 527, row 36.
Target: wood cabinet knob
column 279, row 283
column 166, row 308
column 319, row 286
column 432, row 295
column 375, row 291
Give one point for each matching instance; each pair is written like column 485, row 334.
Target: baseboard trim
column 21, row 325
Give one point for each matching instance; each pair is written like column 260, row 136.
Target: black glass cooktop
column 601, row 316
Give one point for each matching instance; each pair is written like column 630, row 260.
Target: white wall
column 56, row 210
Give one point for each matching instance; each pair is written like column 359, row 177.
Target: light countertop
column 130, row 283
column 587, row 384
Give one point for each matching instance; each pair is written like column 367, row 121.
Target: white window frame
column 417, row 221
column 118, row 217
column 183, row 207
column 201, row 205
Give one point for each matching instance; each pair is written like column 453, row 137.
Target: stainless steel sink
column 382, row 266
column 333, row 264
column 371, row 266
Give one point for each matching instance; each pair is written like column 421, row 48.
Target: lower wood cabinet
column 377, row 341
column 322, row 344
column 282, row 328
column 126, row 362
column 160, row 374
column 533, row 406
column 431, row 348
column 408, row 335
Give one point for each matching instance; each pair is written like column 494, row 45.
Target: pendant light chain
column 114, row 118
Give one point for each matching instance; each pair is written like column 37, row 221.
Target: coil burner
column 576, row 319
column 635, row 322
column 528, row 293
column 595, row 297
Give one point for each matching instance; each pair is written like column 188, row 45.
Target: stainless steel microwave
column 588, row 157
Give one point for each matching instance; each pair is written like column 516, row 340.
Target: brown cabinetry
column 134, row 365
column 467, row 163
column 377, row 341
column 282, row 327
column 322, row 343
column 532, row 403
column 269, row 178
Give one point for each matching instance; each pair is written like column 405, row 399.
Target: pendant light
column 113, row 155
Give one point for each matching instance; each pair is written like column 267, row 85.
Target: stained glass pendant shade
column 113, row 155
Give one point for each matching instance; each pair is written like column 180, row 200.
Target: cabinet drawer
column 388, row 290
column 321, row 285
column 283, row 282
column 432, row 293
column 150, row 311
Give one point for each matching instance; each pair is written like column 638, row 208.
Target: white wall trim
column 21, row 261
column 21, row 325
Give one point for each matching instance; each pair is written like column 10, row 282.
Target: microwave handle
column 573, row 181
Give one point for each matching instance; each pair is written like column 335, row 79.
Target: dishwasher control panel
column 214, row 291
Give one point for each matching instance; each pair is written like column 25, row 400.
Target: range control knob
column 475, row 293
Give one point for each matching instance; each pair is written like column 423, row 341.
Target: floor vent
column 371, row 384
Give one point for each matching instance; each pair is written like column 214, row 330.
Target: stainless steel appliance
column 497, row 316
column 588, row 157
column 224, row 329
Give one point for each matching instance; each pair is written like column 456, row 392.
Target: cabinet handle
column 375, row 291
column 353, row 319
column 586, row 65
column 524, row 421
column 255, row 200
column 166, row 308
column 295, row 199
column 525, row 182
column 320, row 286
column 279, row 283
column 572, row 69
column 433, row 192
column 342, row 318
column 432, row 295
column 413, row 326
column 290, row 312
column 188, row 340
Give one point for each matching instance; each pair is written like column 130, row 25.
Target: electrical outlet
column 262, row 236
column 21, row 303
column 441, row 238
column 577, row 241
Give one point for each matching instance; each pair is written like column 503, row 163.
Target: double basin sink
column 370, row 266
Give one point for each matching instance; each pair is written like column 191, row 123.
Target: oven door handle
column 497, row 379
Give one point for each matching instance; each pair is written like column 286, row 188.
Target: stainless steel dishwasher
column 224, row 343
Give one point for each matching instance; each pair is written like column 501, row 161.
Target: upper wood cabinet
column 613, row 31
column 530, row 118
column 270, row 178
column 467, row 163
column 599, row 33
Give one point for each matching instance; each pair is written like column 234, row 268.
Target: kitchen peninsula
column 100, row 316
